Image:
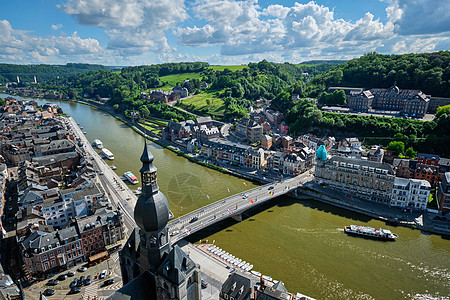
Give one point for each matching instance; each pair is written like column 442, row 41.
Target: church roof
column 151, row 212
column 176, row 265
column 147, row 156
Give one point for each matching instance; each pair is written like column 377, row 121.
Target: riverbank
column 167, row 144
column 422, row 220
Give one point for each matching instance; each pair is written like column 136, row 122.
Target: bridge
column 232, row 206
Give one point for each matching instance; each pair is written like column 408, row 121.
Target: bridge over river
column 232, row 206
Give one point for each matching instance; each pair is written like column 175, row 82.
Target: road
column 118, row 192
column 232, row 206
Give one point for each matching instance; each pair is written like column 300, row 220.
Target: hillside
column 428, row 72
column 43, row 73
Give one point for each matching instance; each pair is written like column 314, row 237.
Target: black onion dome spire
column 151, row 212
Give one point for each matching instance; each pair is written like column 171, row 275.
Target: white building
column 412, row 193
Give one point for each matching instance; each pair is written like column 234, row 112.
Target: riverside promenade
column 422, row 220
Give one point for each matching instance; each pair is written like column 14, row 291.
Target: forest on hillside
column 428, row 72
column 44, row 73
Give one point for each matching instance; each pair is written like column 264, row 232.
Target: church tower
column 151, row 267
column 151, row 214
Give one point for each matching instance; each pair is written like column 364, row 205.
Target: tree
column 397, row 147
column 410, row 153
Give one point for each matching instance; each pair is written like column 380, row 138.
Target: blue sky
column 138, row 32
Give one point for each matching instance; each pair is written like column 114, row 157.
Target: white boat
column 107, row 154
column 113, row 167
column 130, row 177
column 97, row 144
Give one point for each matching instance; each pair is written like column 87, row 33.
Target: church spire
column 151, row 212
column 148, row 172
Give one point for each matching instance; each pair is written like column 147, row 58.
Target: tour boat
column 130, row 177
column 97, row 144
column 374, row 233
column 108, row 154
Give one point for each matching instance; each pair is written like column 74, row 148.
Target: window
column 52, row 254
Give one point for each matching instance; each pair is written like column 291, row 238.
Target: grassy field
column 174, row 78
column 199, row 104
column 153, row 125
column 231, row 68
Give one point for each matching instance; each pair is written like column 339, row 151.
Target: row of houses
column 373, row 181
column 62, row 212
column 48, row 250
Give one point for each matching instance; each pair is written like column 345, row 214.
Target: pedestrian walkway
column 90, row 291
column 114, row 286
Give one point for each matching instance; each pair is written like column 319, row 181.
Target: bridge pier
column 237, row 217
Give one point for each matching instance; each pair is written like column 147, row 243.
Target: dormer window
column 233, row 287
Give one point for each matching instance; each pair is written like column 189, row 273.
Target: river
column 299, row 242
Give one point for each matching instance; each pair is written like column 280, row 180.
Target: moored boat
column 97, row 144
column 108, row 154
column 130, row 177
column 369, row 232
column 170, row 215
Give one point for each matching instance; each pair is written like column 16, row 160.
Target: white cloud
column 56, row 26
column 105, row 13
column 27, row 47
column 133, row 26
column 369, row 29
column 414, row 17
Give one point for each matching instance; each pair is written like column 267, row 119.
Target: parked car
column 62, row 277
column 49, row 292
column 102, row 274
column 80, row 281
column 74, row 283
column 82, row 269
column 71, row 273
column 204, row 284
column 108, row 282
column 75, row 290
column 53, row 282
column 88, row 280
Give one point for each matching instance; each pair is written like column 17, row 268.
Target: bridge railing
column 214, row 204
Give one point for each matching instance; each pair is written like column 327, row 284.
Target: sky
column 227, row 32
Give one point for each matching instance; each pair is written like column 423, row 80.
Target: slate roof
column 361, row 162
column 238, row 286
column 176, row 266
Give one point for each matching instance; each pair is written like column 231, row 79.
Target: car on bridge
column 173, row 233
column 270, row 187
column 193, row 220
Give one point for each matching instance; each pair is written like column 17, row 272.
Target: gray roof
column 54, row 158
column 238, row 286
column 427, row 156
column 361, row 162
column 401, row 181
column 176, row 266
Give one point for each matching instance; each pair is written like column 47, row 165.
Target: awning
column 98, row 256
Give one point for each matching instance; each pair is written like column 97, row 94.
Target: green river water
column 299, row 242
